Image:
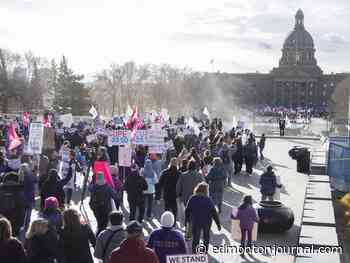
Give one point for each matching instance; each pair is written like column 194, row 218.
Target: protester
column 268, row 184
column 262, row 146
column 187, row 182
column 100, row 200
column 11, row 250
column 118, row 185
column 167, row 241
column 53, row 186
column 247, row 216
column 110, row 238
column 207, row 163
column 41, row 244
column 200, row 212
column 167, row 181
column 52, row 214
column 216, row 180
column 12, row 201
column 238, row 155
column 75, row 237
column 135, row 185
column 227, row 163
column 250, row 155
column 133, row 249
column 152, row 179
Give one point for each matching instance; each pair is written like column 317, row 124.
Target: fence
column 339, row 163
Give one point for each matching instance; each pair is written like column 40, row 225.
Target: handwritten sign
column 36, row 135
column 119, row 137
column 124, row 156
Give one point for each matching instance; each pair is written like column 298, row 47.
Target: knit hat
column 100, row 178
column 167, row 219
column 51, row 202
column 134, row 227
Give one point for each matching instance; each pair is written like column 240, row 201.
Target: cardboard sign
column 36, row 135
column 124, row 156
column 193, row 258
column 49, row 138
column 119, row 137
column 67, row 120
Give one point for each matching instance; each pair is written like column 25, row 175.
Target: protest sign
column 36, row 135
column 157, row 148
column 67, row 120
column 192, row 258
column 155, row 137
column 119, row 137
column 124, row 156
column 49, row 138
column 140, row 137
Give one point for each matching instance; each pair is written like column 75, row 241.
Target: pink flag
column 47, row 121
column 102, row 166
column 14, row 140
column 25, row 119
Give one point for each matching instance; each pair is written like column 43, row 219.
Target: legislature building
column 297, row 81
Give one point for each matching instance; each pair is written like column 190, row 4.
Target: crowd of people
column 189, row 177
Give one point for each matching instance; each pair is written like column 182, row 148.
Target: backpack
column 99, row 198
column 8, row 201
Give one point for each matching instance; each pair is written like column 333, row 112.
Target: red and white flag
column 47, row 121
column 14, row 140
column 26, row 119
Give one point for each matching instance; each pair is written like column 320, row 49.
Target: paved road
column 292, row 195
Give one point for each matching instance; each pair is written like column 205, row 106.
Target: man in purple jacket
column 167, row 241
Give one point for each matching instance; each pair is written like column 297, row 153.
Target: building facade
column 297, row 81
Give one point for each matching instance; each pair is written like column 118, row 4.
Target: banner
column 119, row 137
column 36, row 135
column 67, row 120
column 194, row 258
column 102, row 166
column 124, row 156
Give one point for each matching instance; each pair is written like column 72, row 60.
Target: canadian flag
column 14, row 140
column 47, row 121
column 134, row 123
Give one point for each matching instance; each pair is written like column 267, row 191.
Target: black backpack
column 99, row 198
column 8, row 201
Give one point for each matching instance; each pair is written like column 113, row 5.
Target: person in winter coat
column 74, row 239
column 118, row 185
column 100, row 201
column 268, row 184
column 152, row 179
column 250, row 155
column 74, row 167
column 135, row 185
column 247, row 216
column 167, row 181
column 41, row 244
column 226, row 158
column 52, row 214
column 187, row 182
column 200, row 212
column 238, row 156
column 110, row 238
column 10, row 247
column 29, row 180
column 216, row 180
column 133, row 249
column 167, row 241
column 53, row 186
column 207, row 163
column 262, row 146
column 12, row 201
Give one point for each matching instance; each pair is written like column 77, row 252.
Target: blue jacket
column 268, row 183
column 166, row 242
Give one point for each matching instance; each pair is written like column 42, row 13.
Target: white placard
column 155, row 137
column 192, row 258
column 67, row 120
column 119, row 137
column 91, row 138
column 124, row 156
column 36, row 135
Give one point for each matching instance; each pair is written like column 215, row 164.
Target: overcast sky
column 240, row 35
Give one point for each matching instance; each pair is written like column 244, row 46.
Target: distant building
column 298, row 81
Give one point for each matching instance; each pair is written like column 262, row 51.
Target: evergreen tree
column 71, row 96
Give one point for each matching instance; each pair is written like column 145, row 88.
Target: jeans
column 69, row 193
column 229, row 171
column 244, row 233
column 27, row 216
column 149, row 203
column 133, row 207
column 196, row 233
column 249, row 162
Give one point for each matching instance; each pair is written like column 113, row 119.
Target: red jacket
column 133, row 250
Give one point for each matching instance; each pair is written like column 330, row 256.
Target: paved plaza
column 292, row 195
